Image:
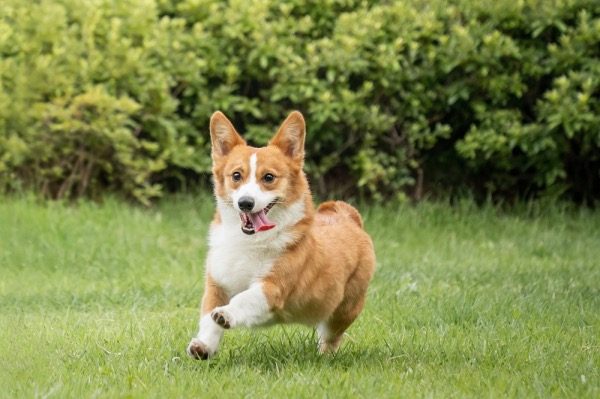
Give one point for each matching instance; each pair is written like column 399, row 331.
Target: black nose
column 246, row 204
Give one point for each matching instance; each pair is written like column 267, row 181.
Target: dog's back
column 332, row 212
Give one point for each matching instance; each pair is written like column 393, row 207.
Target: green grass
column 101, row 301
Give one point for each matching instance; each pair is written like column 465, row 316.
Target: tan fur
column 324, row 274
column 213, row 296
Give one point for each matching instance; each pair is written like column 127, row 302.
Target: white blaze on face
column 252, row 189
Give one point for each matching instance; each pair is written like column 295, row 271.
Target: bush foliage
column 499, row 96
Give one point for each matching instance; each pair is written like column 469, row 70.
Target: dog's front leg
column 206, row 343
column 252, row 307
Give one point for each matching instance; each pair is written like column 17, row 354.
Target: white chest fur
column 236, row 267
column 236, row 260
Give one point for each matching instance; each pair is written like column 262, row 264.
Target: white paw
column 198, row 349
column 222, row 317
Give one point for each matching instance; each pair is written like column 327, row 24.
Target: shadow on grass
column 294, row 349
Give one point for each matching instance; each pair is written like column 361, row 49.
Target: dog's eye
column 236, row 176
column 268, row 178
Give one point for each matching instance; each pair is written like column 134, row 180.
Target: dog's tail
column 341, row 208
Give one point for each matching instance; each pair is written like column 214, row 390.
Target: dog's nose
column 246, row 204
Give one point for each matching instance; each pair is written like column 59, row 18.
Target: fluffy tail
column 340, row 208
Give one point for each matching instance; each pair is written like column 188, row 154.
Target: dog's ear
column 223, row 135
column 290, row 136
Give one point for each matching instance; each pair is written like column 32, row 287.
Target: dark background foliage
column 403, row 99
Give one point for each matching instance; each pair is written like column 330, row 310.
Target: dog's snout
column 246, row 204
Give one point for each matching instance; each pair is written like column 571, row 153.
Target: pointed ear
column 223, row 136
column 290, row 137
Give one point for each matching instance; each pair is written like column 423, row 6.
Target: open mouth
column 253, row 222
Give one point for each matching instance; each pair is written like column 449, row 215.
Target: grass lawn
column 100, row 300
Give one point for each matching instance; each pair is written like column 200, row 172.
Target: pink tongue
column 261, row 222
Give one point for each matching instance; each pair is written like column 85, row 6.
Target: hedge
column 402, row 98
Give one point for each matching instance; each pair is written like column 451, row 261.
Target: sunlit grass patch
column 101, row 300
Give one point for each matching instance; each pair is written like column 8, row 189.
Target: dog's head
column 266, row 186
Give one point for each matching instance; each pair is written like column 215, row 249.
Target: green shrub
column 400, row 96
column 545, row 136
column 88, row 98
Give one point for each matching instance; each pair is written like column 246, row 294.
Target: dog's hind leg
column 331, row 331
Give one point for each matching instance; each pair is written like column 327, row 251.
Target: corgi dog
column 272, row 257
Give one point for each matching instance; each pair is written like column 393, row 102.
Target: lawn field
column 100, row 300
